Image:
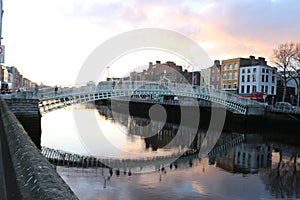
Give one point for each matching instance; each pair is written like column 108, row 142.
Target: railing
column 129, row 86
column 224, row 147
column 63, row 158
column 291, row 110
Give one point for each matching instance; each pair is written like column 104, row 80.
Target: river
column 261, row 166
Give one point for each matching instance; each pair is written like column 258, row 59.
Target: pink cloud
column 235, row 28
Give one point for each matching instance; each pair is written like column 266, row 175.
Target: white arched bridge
column 54, row 98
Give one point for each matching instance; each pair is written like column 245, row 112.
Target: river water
column 260, row 166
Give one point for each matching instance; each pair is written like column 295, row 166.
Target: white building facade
column 257, row 78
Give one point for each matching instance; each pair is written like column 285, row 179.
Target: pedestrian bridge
column 54, row 98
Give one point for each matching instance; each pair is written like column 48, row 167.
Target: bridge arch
column 52, row 100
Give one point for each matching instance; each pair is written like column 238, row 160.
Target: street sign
column 2, row 53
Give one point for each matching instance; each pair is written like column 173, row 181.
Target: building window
column 273, row 79
column 235, row 66
column 243, row 71
column 267, row 78
column 263, row 70
column 224, row 76
column 229, row 86
column 262, row 78
column 262, row 88
column 248, row 89
column 249, row 70
column 243, row 89
column 248, row 78
column 225, row 68
column 267, row 70
column 229, row 75
column 235, row 85
column 243, row 157
column 273, row 71
column 243, row 79
column 254, row 70
column 230, row 67
column 235, row 76
column 224, row 86
column 249, row 160
column 254, row 78
column 266, row 89
column 253, row 88
column 272, row 90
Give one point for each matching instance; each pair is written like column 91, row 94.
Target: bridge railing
column 131, row 86
column 292, row 110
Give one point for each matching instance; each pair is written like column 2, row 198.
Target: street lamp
column 193, row 76
column 107, row 73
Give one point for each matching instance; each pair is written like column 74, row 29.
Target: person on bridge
column 55, row 90
column 36, row 89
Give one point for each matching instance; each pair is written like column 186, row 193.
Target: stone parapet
column 36, row 177
column 27, row 111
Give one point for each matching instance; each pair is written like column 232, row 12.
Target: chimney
column 217, row 63
column 252, row 57
column 157, row 62
column 252, row 60
column 262, row 61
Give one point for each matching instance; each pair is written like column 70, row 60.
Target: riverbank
column 272, row 122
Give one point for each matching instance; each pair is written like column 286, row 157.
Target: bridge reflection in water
column 276, row 163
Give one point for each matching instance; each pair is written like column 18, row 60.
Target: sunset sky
column 49, row 40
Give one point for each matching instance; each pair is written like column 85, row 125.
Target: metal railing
column 289, row 110
column 176, row 88
column 109, row 89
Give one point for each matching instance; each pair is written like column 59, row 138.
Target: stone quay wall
column 36, row 178
column 26, row 108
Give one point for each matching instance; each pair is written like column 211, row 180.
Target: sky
column 48, row 41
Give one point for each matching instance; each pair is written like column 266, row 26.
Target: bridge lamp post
column 107, row 73
column 193, row 76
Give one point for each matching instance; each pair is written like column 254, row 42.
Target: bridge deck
column 51, row 99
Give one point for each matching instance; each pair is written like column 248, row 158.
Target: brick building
column 230, row 70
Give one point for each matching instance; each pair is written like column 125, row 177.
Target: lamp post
column 193, row 76
column 107, row 73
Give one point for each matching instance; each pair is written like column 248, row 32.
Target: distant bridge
column 52, row 99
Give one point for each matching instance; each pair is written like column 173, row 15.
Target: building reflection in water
column 276, row 163
column 245, row 158
column 157, row 134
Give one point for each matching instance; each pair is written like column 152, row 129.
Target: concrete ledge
column 36, row 177
column 256, row 110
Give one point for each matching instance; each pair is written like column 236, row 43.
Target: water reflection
column 157, row 136
column 245, row 158
column 240, row 166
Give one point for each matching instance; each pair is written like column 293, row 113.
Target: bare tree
column 296, row 70
column 282, row 56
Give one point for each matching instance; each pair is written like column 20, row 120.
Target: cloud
column 232, row 27
column 65, row 32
